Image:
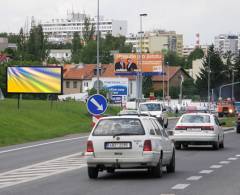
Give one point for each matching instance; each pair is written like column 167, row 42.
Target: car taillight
column 208, row 128
column 90, row 146
column 180, row 128
column 147, row 145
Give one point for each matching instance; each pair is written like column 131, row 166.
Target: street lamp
column 98, row 47
column 140, row 77
column 233, row 83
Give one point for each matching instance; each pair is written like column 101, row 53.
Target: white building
column 187, row 49
column 61, row 54
column 227, row 42
column 157, row 41
column 197, row 65
column 62, row 30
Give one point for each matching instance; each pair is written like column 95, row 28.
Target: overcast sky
column 208, row 17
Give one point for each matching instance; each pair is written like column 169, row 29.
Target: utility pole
column 98, row 47
column 209, row 72
column 140, row 78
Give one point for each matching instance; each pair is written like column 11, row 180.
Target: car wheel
column 238, row 129
column 221, row 145
column 171, row 166
column 166, row 125
column 92, row 172
column 216, row 145
column 157, row 171
column 177, row 146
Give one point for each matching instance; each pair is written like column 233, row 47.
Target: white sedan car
column 198, row 129
column 126, row 142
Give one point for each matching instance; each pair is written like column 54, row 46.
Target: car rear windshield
column 114, row 127
column 150, row 107
column 195, row 119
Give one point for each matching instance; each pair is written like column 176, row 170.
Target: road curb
column 228, row 129
column 173, row 118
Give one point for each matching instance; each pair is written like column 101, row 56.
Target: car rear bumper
column 147, row 160
column 195, row 138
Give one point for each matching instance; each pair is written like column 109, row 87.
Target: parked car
column 125, row 142
column 238, row 123
column 198, row 129
column 155, row 109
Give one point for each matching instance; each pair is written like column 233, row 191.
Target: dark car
column 238, row 123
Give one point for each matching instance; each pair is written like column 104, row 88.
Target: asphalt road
column 199, row 170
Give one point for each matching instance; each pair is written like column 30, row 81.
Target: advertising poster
column 129, row 64
column 34, row 80
column 118, row 88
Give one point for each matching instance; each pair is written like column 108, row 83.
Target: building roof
column 172, row 72
column 3, row 58
column 87, row 72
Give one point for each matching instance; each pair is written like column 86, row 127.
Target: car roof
column 198, row 113
column 126, row 117
column 151, row 103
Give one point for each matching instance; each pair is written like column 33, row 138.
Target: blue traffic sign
column 97, row 104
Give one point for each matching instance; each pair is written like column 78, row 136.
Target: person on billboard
column 131, row 66
column 120, row 65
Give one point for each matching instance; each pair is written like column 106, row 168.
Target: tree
column 189, row 88
column 197, row 53
column 88, row 53
column 36, row 44
column 76, row 48
column 216, row 69
column 88, row 30
column 172, row 59
column 237, row 67
column 147, row 86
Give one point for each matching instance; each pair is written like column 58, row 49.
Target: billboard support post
column 18, row 101
column 51, row 101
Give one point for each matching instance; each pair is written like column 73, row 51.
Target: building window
column 85, row 84
column 67, row 84
column 75, row 84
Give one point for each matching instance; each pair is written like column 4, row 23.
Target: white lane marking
column 41, row 170
column 215, row 166
column 238, row 155
column 206, row 171
column 194, row 178
column 167, row 194
column 232, row 158
column 224, row 162
column 42, row 144
column 180, row 186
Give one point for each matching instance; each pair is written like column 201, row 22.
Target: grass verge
column 36, row 120
column 230, row 121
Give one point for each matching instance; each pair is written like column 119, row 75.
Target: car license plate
column 194, row 129
column 118, row 145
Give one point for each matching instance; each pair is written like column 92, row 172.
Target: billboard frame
column 60, row 67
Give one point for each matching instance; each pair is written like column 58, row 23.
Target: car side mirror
column 164, row 109
column 152, row 132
